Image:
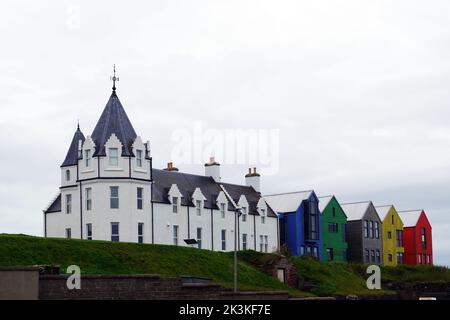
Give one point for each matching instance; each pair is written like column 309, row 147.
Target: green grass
column 102, row 257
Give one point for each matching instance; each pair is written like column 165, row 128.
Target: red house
column 417, row 238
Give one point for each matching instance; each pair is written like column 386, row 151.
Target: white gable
column 174, row 192
column 287, row 202
column 221, row 198
column 383, row 211
column 355, row 211
column 198, row 195
column 410, row 218
column 243, row 202
column 323, row 202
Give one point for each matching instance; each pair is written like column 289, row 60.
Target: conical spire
column 72, row 154
column 114, row 120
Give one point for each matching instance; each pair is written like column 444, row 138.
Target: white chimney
column 252, row 179
column 212, row 169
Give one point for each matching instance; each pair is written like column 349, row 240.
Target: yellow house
column 392, row 235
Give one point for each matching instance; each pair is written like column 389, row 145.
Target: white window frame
column 87, row 158
column 68, row 203
column 111, row 197
column 88, row 195
column 115, row 234
column 266, row 243
column 68, row 233
column 244, row 241
column 175, row 204
column 244, row 214
column 175, row 230
column 223, row 238
column 261, row 243
column 89, row 231
column 113, row 160
column 140, row 234
column 139, row 199
column 67, row 175
column 199, row 237
column 198, row 207
column 263, row 216
column 139, row 158
column 222, row 210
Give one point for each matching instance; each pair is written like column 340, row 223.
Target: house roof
column 287, row 202
column 187, row 183
column 383, row 211
column 324, row 201
column 72, row 154
column 114, row 120
column 356, row 210
column 55, row 206
column 410, row 217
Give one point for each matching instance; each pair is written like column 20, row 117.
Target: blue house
column 299, row 217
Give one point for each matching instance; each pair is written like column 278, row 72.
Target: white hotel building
column 110, row 191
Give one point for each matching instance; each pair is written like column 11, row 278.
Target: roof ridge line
column 367, row 201
column 293, row 192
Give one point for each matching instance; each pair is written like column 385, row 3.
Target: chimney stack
column 170, row 167
column 253, row 179
column 212, row 169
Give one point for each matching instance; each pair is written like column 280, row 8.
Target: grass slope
column 101, row 257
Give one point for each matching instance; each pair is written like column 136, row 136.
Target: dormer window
column 113, row 157
column 175, row 204
column 67, row 175
column 222, row 210
column 263, row 216
column 244, row 214
column 139, row 158
column 87, row 158
column 198, row 206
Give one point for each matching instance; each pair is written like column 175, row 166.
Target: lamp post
column 237, row 213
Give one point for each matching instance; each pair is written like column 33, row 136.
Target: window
column 175, row 235
column 67, row 175
column 302, row 250
column 113, row 157
column 140, row 196
column 115, row 231
column 261, row 243
column 378, row 256
column 313, row 221
column 244, row 241
column 175, row 204
column 367, row 256
column 222, row 210
column 266, row 244
column 68, row 203
column 315, row 252
column 423, row 238
column 399, row 258
column 114, row 197
column 389, row 234
column 399, row 238
column 372, row 255
column 224, row 239
column 139, row 158
column 87, row 158
column 140, row 232
column 89, row 231
column 199, row 237
column 392, row 218
column 198, row 207
column 377, row 230
column 390, row 257
column 88, row 199
column 68, row 233
column 420, row 259
column 333, row 227
column 334, row 212
column 263, row 216
column 366, row 229
column 428, row 259
column 371, row 229
column 244, row 214
column 330, row 254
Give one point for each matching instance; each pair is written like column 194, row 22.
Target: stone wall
column 19, row 283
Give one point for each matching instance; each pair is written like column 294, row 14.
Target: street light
column 237, row 213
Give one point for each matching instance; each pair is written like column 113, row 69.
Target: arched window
column 67, row 175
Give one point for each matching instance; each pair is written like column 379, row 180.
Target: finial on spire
column 114, row 78
column 78, row 124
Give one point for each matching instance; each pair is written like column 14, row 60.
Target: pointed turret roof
column 114, row 120
column 72, row 154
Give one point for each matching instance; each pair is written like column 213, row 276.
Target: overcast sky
column 359, row 91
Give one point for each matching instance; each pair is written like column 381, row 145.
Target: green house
column 334, row 226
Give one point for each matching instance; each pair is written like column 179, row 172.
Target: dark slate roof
column 114, row 120
column 55, row 206
column 235, row 191
column 72, row 154
column 186, row 183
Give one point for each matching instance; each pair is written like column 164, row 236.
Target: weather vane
column 114, row 79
